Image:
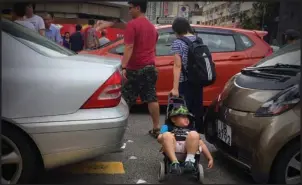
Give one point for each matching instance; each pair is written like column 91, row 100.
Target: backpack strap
column 189, row 43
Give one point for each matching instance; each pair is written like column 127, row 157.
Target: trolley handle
column 170, row 96
column 179, row 99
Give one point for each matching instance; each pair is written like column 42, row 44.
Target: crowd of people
column 23, row 14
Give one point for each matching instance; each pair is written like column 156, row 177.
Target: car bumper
column 255, row 141
column 79, row 136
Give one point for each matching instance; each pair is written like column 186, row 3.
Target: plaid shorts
column 142, row 83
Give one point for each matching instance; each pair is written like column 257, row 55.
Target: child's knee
column 167, row 136
column 194, row 135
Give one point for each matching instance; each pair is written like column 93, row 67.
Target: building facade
column 224, row 13
column 76, row 10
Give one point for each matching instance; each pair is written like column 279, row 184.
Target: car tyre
column 281, row 170
column 28, row 160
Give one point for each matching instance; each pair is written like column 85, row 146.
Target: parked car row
column 255, row 120
column 57, row 107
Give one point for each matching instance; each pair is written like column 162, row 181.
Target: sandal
column 154, row 132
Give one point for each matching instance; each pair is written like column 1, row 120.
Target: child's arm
column 163, row 129
column 206, row 153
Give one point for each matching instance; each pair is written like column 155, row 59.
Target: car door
column 164, row 64
column 228, row 58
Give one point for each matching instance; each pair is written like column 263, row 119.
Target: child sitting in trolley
column 178, row 135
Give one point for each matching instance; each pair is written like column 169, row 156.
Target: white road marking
column 133, row 157
column 129, row 141
column 141, row 181
column 124, row 146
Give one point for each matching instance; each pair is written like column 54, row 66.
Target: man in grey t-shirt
column 18, row 16
column 36, row 20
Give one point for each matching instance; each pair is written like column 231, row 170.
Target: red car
column 232, row 49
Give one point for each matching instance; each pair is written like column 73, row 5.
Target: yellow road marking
column 96, row 168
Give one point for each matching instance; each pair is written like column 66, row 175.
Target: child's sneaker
column 189, row 167
column 175, row 168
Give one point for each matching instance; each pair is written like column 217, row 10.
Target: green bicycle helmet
column 180, row 111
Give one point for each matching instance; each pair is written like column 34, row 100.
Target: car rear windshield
column 34, row 40
column 288, row 55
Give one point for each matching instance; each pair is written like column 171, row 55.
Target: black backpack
column 200, row 68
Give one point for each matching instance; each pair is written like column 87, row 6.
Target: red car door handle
column 171, row 63
column 236, row 57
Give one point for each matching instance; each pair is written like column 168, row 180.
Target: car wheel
column 287, row 169
column 18, row 158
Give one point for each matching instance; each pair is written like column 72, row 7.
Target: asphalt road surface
column 139, row 162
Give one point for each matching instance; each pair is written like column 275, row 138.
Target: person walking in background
column 36, row 20
column 91, row 40
column 66, row 40
column 291, row 36
column 138, row 63
column 90, row 36
column 51, row 31
column 103, row 40
column 77, row 40
column 18, row 16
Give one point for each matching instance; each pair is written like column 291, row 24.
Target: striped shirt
column 181, row 48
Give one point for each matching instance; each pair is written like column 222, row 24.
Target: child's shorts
column 181, row 147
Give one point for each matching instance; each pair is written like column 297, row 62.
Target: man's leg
column 155, row 113
column 192, row 145
column 148, row 95
column 169, row 145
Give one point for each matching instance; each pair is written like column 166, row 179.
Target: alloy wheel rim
column 293, row 170
column 11, row 162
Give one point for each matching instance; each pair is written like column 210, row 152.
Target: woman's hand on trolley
column 174, row 92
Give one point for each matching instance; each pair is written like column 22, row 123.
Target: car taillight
column 282, row 102
column 108, row 95
column 269, row 52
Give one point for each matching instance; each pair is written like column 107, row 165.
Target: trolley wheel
column 200, row 175
column 161, row 172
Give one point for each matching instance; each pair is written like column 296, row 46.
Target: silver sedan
column 57, row 107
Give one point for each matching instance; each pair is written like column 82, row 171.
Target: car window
column 34, row 40
column 163, row 45
column 290, row 58
column 218, row 42
column 290, row 55
column 119, row 49
column 246, row 41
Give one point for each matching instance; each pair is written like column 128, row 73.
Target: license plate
column 224, row 132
